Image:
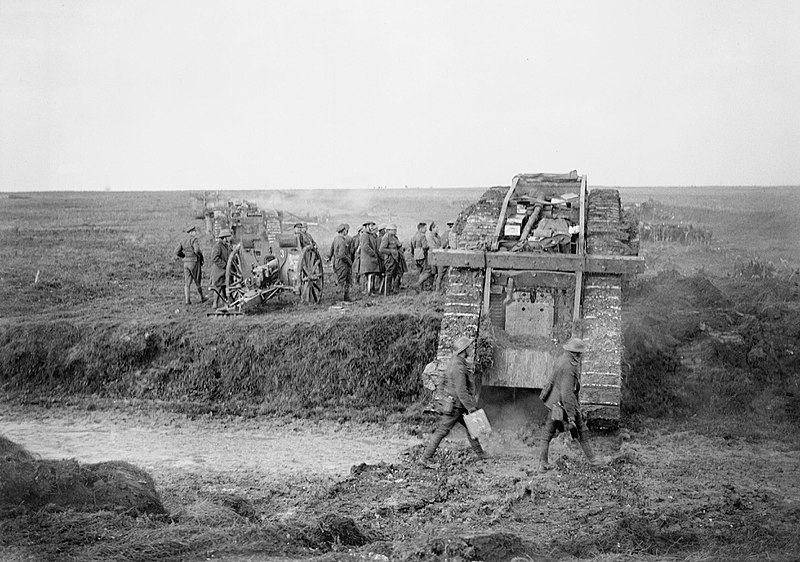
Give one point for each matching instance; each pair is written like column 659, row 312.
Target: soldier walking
column 219, row 264
column 460, row 390
column 189, row 251
column 561, row 398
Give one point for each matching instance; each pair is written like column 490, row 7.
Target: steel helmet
column 575, row 345
column 461, row 344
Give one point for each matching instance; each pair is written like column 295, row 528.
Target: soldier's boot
column 200, row 292
column 346, row 295
column 427, row 457
column 186, row 298
column 215, row 301
column 544, row 450
column 478, row 450
column 593, row 459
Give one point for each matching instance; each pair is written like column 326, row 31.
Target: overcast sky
column 197, row 94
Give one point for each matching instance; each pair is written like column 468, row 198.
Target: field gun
column 535, row 264
column 264, row 261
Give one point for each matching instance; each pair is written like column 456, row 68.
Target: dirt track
column 165, row 443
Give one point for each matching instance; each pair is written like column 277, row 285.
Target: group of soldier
column 375, row 258
column 670, row 232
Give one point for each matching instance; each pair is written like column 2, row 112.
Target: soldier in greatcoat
column 189, row 251
column 219, row 264
column 371, row 265
column 435, row 242
column 355, row 248
column 419, row 249
column 391, row 250
column 342, row 259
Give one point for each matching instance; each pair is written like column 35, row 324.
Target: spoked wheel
column 311, row 277
column 234, row 275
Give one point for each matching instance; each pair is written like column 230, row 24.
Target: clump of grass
column 360, row 363
column 748, row 349
column 28, row 483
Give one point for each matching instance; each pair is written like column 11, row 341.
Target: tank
column 535, row 264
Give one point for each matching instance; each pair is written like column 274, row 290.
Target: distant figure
column 460, row 391
column 449, row 237
column 381, row 234
column 355, row 247
column 435, row 242
column 189, row 251
column 419, row 249
column 391, row 250
column 342, row 260
column 303, row 237
column 219, row 264
column 561, row 398
column 371, row 265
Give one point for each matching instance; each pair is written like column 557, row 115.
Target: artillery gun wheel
column 235, row 275
column 311, row 276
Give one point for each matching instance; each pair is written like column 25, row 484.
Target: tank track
column 601, row 378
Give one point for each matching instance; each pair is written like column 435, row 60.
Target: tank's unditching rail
column 579, row 288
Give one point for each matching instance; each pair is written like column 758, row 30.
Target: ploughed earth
column 263, row 489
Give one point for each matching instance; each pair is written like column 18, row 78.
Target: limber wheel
column 234, row 274
column 311, row 276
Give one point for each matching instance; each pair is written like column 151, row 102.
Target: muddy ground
column 706, row 464
column 670, row 491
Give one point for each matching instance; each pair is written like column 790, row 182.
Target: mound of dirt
column 312, row 364
column 28, row 483
column 717, row 344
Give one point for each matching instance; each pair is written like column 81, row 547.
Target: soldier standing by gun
column 189, row 251
column 342, row 260
column 560, row 395
column 219, row 263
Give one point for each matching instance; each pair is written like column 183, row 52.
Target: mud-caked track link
column 601, row 377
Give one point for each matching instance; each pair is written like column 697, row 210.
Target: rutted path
column 168, row 443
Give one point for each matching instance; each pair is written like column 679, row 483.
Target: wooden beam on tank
column 521, row 261
column 526, row 279
column 501, row 219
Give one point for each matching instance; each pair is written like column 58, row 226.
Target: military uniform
column 219, row 264
column 435, row 242
column 341, row 254
column 189, row 251
column 419, row 249
column 459, row 386
column 370, row 263
column 391, row 251
column 562, row 401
